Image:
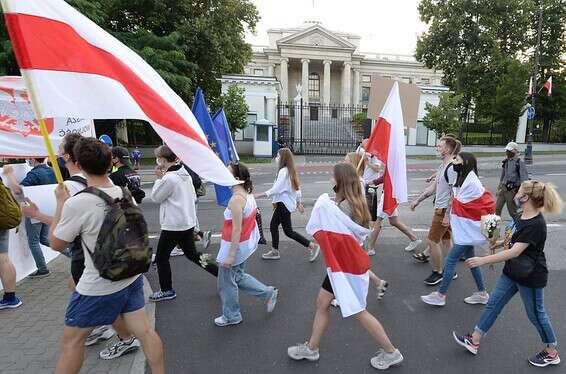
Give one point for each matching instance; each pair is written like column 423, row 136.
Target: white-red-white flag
column 530, row 92
column 471, row 201
column 548, row 86
column 387, row 143
column 347, row 264
column 76, row 69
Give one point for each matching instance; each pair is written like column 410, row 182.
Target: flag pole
column 42, row 127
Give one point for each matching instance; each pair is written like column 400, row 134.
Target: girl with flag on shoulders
column 470, row 201
column 286, row 197
column 339, row 227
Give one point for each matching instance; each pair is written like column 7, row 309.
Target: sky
column 386, row 26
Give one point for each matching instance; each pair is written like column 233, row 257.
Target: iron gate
column 312, row 128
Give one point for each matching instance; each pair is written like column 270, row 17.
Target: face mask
column 510, row 154
column 335, row 188
column 157, row 162
column 458, row 168
column 518, row 201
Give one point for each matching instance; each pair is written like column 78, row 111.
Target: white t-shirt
column 283, row 191
column 369, row 174
column 75, row 187
column 83, row 215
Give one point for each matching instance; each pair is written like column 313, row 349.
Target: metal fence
column 312, row 128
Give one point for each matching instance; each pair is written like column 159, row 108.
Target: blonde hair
column 543, row 195
column 354, row 159
column 348, row 188
column 286, row 160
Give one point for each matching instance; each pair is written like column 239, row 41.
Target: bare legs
column 395, row 222
column 7, row 273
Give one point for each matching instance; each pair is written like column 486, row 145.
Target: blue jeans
column 533, row 299
column 450, row 264
column 234, row 279
column 37, row 233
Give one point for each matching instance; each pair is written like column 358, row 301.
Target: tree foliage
column 189, row 42
column 444, row 117
column 235, row 107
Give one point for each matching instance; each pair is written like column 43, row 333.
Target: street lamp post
column 529, row 151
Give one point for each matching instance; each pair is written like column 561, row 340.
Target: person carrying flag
column 340, row 227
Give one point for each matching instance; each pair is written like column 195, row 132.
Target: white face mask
column 157, row 162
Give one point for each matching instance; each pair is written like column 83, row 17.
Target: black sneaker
column 40, row 274
column 262, row 241
column 543, row 358
column 433, row 279
column 466, row 342
column 455, row 276
column 420, row 257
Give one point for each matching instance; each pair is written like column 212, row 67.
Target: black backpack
column 122, row 247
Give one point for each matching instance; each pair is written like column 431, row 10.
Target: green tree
column 235, row 107
column 444, row 118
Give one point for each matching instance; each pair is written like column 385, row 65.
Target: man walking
column 439, row 235
column 125, row 176
column 513, row 173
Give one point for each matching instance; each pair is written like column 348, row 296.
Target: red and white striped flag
column 76, row 69
column 387, row 143
column 347, row 263
column 470, row 203
column 548, row 86
column 530, row 92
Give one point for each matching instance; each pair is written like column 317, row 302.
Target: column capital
column 347, row 63
column 327, row 62
column 284, row 59
column 303, row 60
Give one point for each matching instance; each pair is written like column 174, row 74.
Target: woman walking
column 525, row 271
column 174, row 192
column 470, row 201
column 286, row 198
column 340, row 227
column 240, row 236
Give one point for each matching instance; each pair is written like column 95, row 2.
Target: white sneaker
column 120, row 348
column 98, row 334
column 477, row 298
column 223, row 321
column 314, row 253
column 371, row 252
column 385, row 360
column 177, row 252
column 434, row 298
column 206, row 239
column 335, row 303
column 272, row 301
column 413, row 245
column 303, row 352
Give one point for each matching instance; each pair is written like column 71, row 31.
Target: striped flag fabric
column 387, row 143
column 249, row 237
column 530, row 91
column 548, row 86
column 347, row 264
column 469, row 204
column 76, row 69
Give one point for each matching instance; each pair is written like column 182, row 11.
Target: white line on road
column 409, row 306
column 556, row 174
column 553, row 225
column 420, row 230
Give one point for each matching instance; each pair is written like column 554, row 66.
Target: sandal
column 421, row 257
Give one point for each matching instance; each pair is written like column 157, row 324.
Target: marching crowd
column 99, row 225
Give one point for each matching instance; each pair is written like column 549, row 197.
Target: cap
column 120, row 152
column 512, row 146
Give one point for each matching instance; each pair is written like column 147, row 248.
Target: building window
column 406, row 80
column 314, row 86
column 366, row 78
column 258, row 72
column 249, row 129
column 334, row 113
column 425, row 81
column 314, row 112
column 263, row 133
column 365, row 95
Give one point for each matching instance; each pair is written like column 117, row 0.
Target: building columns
column 270, row 109
column 356, row 92
column 270, row 70
column 305, row 79
column 346, row 85
column 326, row 82
column 284, row 80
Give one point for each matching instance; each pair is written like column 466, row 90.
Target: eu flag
column 224, row 135
column 200, row 111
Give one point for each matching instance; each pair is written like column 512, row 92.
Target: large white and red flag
column 347, row 264
column 76, row 69
column 470, row 202
column 387, row 143
column 548, row 86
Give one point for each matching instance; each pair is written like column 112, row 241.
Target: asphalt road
column 423, row 333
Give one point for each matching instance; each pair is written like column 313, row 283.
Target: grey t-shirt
column 443, row 188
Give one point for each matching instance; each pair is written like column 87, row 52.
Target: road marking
column 420, row 230
column 553, row 225
column 153, row 236
column 419, row 179
column 321, row 182
column 409, row 306
column 556, row 174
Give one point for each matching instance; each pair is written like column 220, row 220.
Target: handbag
column 521, row 267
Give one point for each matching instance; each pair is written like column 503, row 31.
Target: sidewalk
column 31, row 334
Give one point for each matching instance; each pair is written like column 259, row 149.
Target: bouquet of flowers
column 491, row 229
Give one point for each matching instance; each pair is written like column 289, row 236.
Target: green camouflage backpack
column 10, row 213
column 122, row 247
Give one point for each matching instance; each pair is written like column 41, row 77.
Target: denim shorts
column 91, row 311
column 4, row 235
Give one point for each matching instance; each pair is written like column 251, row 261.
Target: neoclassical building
column 330, row 70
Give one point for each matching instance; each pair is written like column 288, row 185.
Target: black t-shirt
column 533, row 232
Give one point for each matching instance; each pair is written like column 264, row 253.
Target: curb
column 138, row 365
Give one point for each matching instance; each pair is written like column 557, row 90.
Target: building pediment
column 317, row 37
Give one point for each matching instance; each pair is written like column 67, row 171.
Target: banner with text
column 19, row 129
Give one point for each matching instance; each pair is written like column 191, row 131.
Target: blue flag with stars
column 200, row 111
column 224, row 135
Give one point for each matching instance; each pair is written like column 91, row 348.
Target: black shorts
column 326, row 285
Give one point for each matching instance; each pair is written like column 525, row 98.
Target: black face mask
column 510, row 154
column 335, row 189
column 458, row 168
